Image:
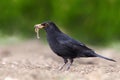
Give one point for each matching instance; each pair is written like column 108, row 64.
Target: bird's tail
column 97, row 55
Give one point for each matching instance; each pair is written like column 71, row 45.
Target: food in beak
column 37, row 32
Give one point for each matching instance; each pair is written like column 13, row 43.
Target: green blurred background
column 91, row 21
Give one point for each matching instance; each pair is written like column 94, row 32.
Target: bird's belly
column 63, row 52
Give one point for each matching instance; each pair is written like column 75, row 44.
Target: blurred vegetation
column 92, row 21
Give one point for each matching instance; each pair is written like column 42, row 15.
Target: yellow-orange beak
column 37, row 27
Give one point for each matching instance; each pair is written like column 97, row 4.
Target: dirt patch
column 33, row 60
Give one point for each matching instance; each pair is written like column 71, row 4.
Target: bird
column 65, row 46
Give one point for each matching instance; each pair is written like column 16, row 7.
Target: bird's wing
column 71, row 43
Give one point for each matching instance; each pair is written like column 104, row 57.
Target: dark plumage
column 65, row 46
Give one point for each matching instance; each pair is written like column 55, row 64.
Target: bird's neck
column 52, row 34
column 52, row 30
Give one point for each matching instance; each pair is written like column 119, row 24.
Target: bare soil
column 32, row 60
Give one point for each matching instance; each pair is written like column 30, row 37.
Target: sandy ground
column 32, row 60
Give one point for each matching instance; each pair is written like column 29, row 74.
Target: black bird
column 65, row 46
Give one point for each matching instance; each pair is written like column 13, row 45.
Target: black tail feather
column 97, row 55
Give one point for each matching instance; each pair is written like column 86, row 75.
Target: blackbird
column 65, row 46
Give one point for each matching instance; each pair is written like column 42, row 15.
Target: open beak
column 37, row 27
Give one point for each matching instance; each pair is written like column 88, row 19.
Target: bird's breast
column 54, row 45
column 59, row 49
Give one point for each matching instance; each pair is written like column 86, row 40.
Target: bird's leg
column 65, row 62
column 71, row 61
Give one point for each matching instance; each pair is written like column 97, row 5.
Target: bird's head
column 41, row 26
column 48, row 26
